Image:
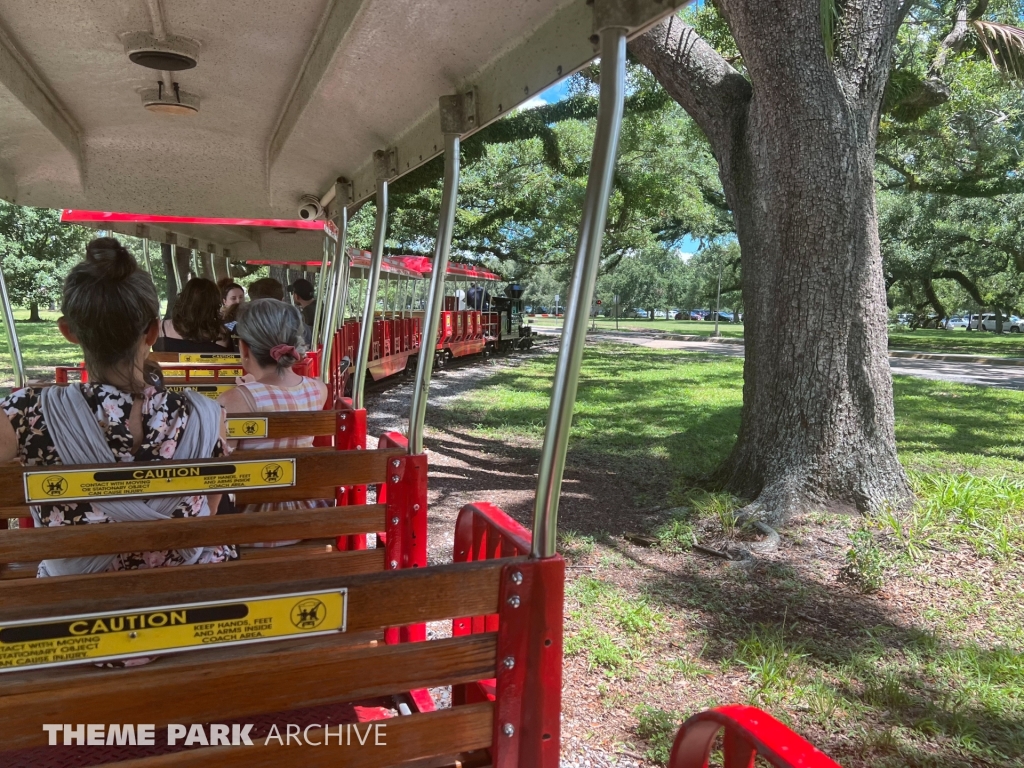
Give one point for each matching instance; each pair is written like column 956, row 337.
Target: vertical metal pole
column 718, row 301
column 17, row 361
column 346, row 265
column 338, row 273
column 227, row 266
column 584, row 276
column 177, row 270
column 145, row 255
column 322, row 299
column 366, row 330
column 435, row 297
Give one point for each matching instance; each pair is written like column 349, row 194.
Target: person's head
column 110, row 307
column 270, row 335
column 196, row 313
column 266, row 288
column 302, row 292
column 231, row 293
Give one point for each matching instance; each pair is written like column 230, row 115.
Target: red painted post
column 351, row 436
column 406, row 519
column 528, row 695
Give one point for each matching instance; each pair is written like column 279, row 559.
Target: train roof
column 284, row 98
column 424, row 266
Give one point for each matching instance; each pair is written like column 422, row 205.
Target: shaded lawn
column 688, row 327
column 890, row 642
column 958, row 342
column 922, row 340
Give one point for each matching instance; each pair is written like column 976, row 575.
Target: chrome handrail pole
column 322, row 299
column 581, row 291
column 17, row 361
column 435, row 295
column 366, row 330
column 338, row 259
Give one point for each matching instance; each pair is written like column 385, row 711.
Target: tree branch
column 693, row 73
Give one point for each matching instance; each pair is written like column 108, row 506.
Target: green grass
column 42, row 347
column 918, row 659
column 922, row 340
column 959, row 341
column 686, row 327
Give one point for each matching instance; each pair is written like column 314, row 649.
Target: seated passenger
column 231, row 294
column 271, row 342
column 110, row 307
column 195, row 324
column 266, row 288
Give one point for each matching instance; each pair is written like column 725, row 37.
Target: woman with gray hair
column 270, row 341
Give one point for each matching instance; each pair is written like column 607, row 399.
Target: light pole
column 718, row 301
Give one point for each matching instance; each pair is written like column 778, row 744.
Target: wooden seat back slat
column 250, row 684
column 452, row 732
column 32, row 598
column 387, row 599
column 295, row 423
column 178, row 533
column 315, row 469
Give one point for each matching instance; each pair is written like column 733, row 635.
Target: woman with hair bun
column 122, row 414
column 270, row 341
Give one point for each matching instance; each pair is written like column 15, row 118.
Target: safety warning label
column 54, row 485
column 208, row 357
column 170, row 371
column 119, row 635
column 247, row 427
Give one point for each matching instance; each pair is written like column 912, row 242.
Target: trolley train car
column 254, row 110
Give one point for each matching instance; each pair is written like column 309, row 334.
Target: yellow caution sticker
column 241, row 428
column 144, row 479
column 172, row 371
column 208, row 357
column 212, row 391
column 124, row 634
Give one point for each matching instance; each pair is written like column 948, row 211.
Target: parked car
column 723, row 316
column 1011, row 324
column 634, row 312
column 952, row 323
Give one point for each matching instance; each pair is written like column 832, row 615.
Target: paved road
column 984, row 374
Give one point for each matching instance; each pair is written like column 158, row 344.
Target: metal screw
column 133, row 635
column 394, row 521
column 514, row 601
column 395, row 463
column 509, row 662
column 509, row 729
column 394, row 478
column 517, row 578
column 415, row 507
column 343, row 427
column 394, row 563
column 344, row 416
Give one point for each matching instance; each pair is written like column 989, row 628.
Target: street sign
column 599, row 302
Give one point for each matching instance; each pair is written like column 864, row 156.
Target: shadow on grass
column 910, row 698
column 935, row 416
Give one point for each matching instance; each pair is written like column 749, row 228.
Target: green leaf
column 829, row 26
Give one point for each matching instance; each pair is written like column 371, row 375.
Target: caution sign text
column 118, row 635
column 54, row 485
column 242, row 428
column 208, row 357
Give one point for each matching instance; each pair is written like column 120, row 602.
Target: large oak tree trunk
column 795, row 146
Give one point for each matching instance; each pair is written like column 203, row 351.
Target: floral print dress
column 164, row 416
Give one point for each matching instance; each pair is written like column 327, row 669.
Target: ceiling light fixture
column 175, row 102
column 172, row 54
